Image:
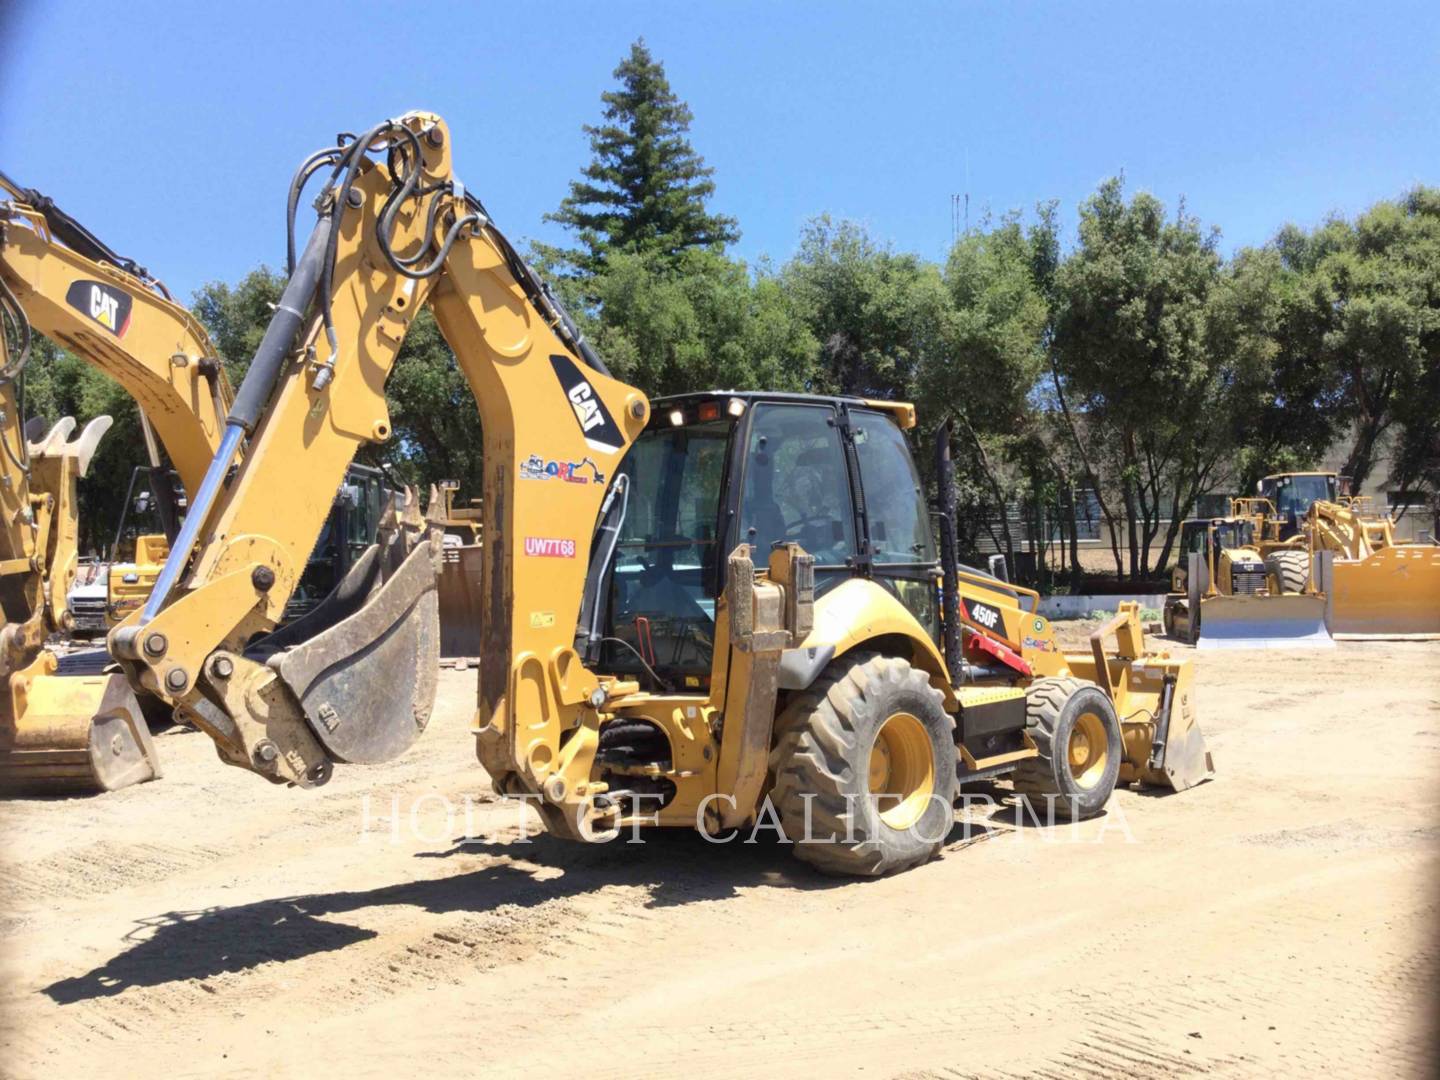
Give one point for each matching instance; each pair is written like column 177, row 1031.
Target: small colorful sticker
column 541, row 620
column 547, row 547
column 1038, row 644
column 583, row 471
column 1039, row 626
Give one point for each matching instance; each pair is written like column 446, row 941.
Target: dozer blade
column 71, row 735
column 1263, row 622
column 1395, row 592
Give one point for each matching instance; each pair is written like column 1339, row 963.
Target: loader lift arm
column 396, row 231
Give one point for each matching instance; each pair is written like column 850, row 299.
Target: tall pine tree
column 646, row 189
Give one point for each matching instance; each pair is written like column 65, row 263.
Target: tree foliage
column 645, row 190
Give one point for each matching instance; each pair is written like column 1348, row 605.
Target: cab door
column 897, row 542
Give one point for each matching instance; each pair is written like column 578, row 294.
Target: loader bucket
column 1263, row 622
column 1154, row 696
column 1394, row 592
column 72, row 734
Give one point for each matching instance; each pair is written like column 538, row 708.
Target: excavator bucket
column 1263, row 622
column 72, row 734
column 1393, row 592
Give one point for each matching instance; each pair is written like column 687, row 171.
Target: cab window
column 661, row 605
column 894, row 500
column 796, row 486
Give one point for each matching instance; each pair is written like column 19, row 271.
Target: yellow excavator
column 81, row 732
column 1374, row 585
column 696, row 612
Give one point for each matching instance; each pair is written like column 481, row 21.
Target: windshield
column 1294, row 494
column 662, row 603
column 1234, row 534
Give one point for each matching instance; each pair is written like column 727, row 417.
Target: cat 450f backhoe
column 689, row 608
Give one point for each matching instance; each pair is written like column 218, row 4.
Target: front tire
column 1287, row 572
column 871, row 749
column 1074, row 726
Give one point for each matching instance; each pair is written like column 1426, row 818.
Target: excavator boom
column 82, row 733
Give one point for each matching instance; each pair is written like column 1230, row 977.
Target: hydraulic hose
column 251, row 400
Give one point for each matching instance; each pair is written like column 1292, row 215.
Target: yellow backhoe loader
column 696, row 611
column 1224, row 594
column 1375, row 587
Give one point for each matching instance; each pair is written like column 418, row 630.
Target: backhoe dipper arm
column 396, row 231
column 108, row 312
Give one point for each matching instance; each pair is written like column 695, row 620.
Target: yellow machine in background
column 1376, row 587
column 86, row 732
column 690, row 609
column 1224, row 593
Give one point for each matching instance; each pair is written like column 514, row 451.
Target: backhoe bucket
column 72, row 734
column 366, row 668
column 1395, row 592
column 1263, row 622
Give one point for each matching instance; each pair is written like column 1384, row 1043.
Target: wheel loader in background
column 696, row 611
column 1226, row 594
column 68, row 727
column 1374, row 586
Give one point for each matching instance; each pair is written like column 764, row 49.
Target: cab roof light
column 735, row 407
column 677, row 417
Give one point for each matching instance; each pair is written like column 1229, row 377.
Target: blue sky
column 173, row 129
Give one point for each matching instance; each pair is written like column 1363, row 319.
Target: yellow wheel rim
column 902, row 771
column 1089, row 750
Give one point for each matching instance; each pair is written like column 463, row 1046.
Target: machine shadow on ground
column 676, row 866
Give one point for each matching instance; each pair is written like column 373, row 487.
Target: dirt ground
column 1282, row 917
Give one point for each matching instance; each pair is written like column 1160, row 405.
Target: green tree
column 646, row 188
column 235, row 316
column 986, row 374
column 700, row 321
column 879, row 315
column 1363, row 314
column 1133, row 358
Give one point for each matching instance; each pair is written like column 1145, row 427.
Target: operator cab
column 1292, row 493
column 1229, row 533
column 715, row 470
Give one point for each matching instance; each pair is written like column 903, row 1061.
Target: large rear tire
column 1287, row 571
column 1075, row 728
column 871, row 750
